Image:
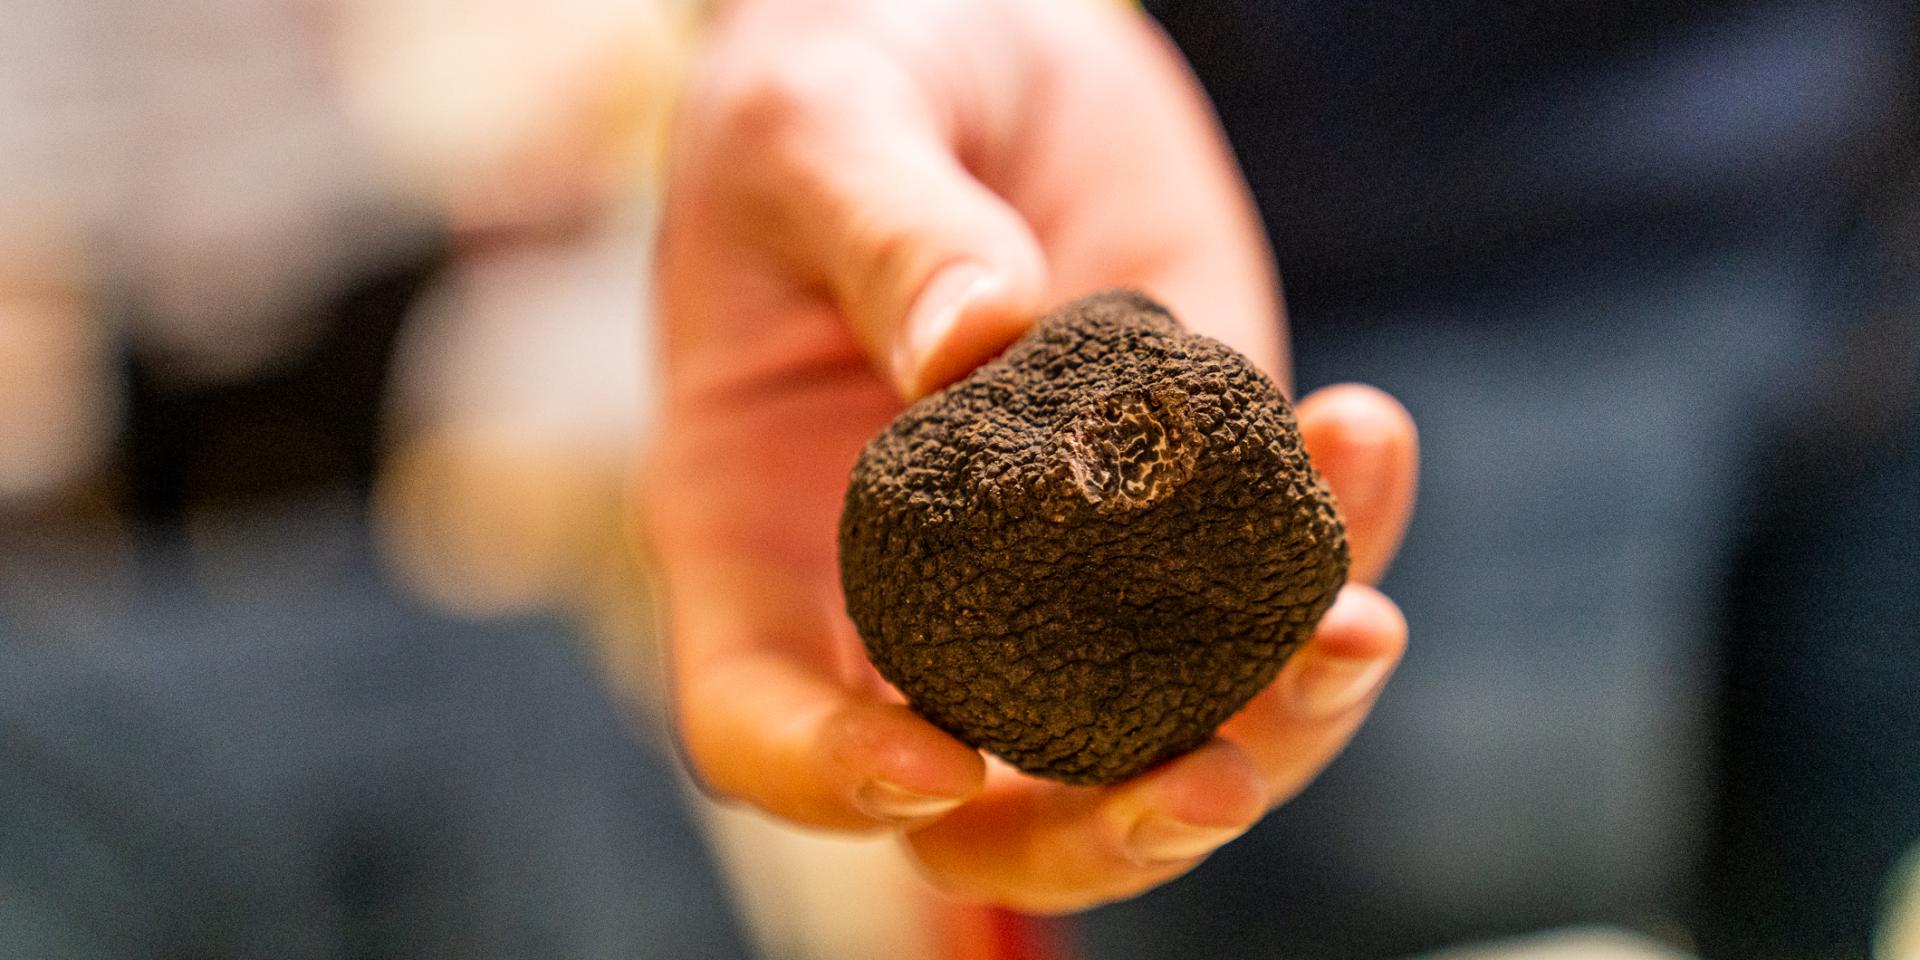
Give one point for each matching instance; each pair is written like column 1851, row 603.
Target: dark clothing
column 1613, row 257
column 297, row 764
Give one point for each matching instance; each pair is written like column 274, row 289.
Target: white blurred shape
column 197, row 154
column 248, row 196
column 1575, row 943
column 515, row 112
column 814, row 896
column 518, row 399
column 236, row 243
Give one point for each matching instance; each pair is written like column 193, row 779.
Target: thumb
column 935, row 272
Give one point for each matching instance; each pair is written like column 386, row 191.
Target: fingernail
column 1327, row 687
column 1158, row 838
column 891, row 801
column 933, row 316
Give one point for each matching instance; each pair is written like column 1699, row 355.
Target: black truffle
column 1091, row 552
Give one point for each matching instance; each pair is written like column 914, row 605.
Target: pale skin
column 867, row 199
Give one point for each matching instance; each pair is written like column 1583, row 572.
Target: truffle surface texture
column 1095, row 549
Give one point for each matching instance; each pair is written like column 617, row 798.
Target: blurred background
column 324, row 356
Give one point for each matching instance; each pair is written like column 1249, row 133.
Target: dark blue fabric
column 1819, row 720
column 1602, row 251
column 1387, row 141
column 276, row 757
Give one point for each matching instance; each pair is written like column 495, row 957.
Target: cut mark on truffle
column 1128, row 450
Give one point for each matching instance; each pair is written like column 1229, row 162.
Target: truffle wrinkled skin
column 1091, row 552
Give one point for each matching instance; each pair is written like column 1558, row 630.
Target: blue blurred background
column 322, row 353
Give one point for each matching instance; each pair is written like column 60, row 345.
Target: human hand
column 868, row 199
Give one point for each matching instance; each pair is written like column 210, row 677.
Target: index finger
column 765, row 719
column 775, row 704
